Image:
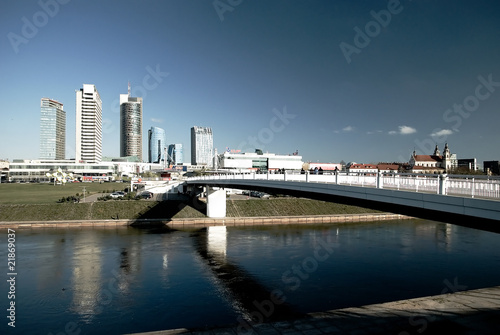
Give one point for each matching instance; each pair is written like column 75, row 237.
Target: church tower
column 446, row 158
column 436, row 151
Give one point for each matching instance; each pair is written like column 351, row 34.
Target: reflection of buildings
column 86, row 273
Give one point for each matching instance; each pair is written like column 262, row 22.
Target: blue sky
column 363, row 81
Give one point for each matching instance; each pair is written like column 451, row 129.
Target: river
column 125, row 280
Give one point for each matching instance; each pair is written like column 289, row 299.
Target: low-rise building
column 435, row 163
column 366, row 169
column 491, row 167
column 246, row 162
column 36, row 170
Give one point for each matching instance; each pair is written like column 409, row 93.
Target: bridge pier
column 216, row 203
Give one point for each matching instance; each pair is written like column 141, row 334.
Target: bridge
column 449, row 198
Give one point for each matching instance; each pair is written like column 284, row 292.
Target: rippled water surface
column 125, row 280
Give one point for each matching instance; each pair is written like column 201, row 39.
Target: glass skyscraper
column 52, row 129
column 156, row 145
column 175, row 155
column 130, row 126
column 202, row 146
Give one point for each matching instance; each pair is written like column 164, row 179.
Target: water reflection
column 243, row 291
column 86, row 280
column 105, row 280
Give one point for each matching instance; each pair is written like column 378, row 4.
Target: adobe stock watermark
column 277, row 124
column 455, row 115
column 372, row 29
column 292, row 279
column 30, row 27
column 222, row 6
column 422, row 321
column 151, row 80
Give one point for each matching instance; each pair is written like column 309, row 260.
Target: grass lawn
column 42, row 193
column 38, row 202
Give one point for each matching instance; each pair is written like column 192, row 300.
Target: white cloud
column 442, row 132
column 348, row 128
column 403, row 130
column 156, row 120
column 344, row 130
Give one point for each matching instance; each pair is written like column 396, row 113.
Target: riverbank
column 465, row 312
column 207, row 222
column 168, row 210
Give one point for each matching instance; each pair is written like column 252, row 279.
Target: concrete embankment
column 464, row 312
column 205, row 222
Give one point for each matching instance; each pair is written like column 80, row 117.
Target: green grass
column 42, row 193
column 135, row 209
column 289, row 207
column 38, row 202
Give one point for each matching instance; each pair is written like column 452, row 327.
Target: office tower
column 52, row 129
column 175, row 156
column 202, row 146
column 130, row 126
column 156, row 145
column 88, row 125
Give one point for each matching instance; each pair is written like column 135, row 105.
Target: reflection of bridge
column 440, row 197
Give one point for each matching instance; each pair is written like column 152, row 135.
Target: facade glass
column 52, row 129
column 175, row 155
column 130, row 126
column 202, row 146
column 156, row 145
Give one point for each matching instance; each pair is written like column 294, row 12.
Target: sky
column 358, row 81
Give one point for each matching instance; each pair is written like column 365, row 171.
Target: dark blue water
column 125, row 280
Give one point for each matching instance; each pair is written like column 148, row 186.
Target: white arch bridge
column 472, row 200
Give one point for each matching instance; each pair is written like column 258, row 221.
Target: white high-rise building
column 88, row 125
column 202, row 146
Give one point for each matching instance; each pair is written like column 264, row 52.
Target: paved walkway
column 465, row 312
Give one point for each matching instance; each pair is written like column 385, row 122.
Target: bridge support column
column 380, row 180
column 216, row 203
column 443, row 179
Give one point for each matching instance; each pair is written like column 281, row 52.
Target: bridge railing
column 456, row 185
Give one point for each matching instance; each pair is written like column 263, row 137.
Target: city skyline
column 351, row 81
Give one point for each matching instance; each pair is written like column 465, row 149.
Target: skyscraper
column 156, row 145
column 202, row 146
column 130, row 126
column 52, row 129
column 88, row 125
column 175, row 155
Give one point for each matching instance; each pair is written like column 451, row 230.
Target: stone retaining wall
column 205, row 222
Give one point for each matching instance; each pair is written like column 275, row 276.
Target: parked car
column 146, row 195
column 117, row 195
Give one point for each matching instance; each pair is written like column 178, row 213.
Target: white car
column 117, row 195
